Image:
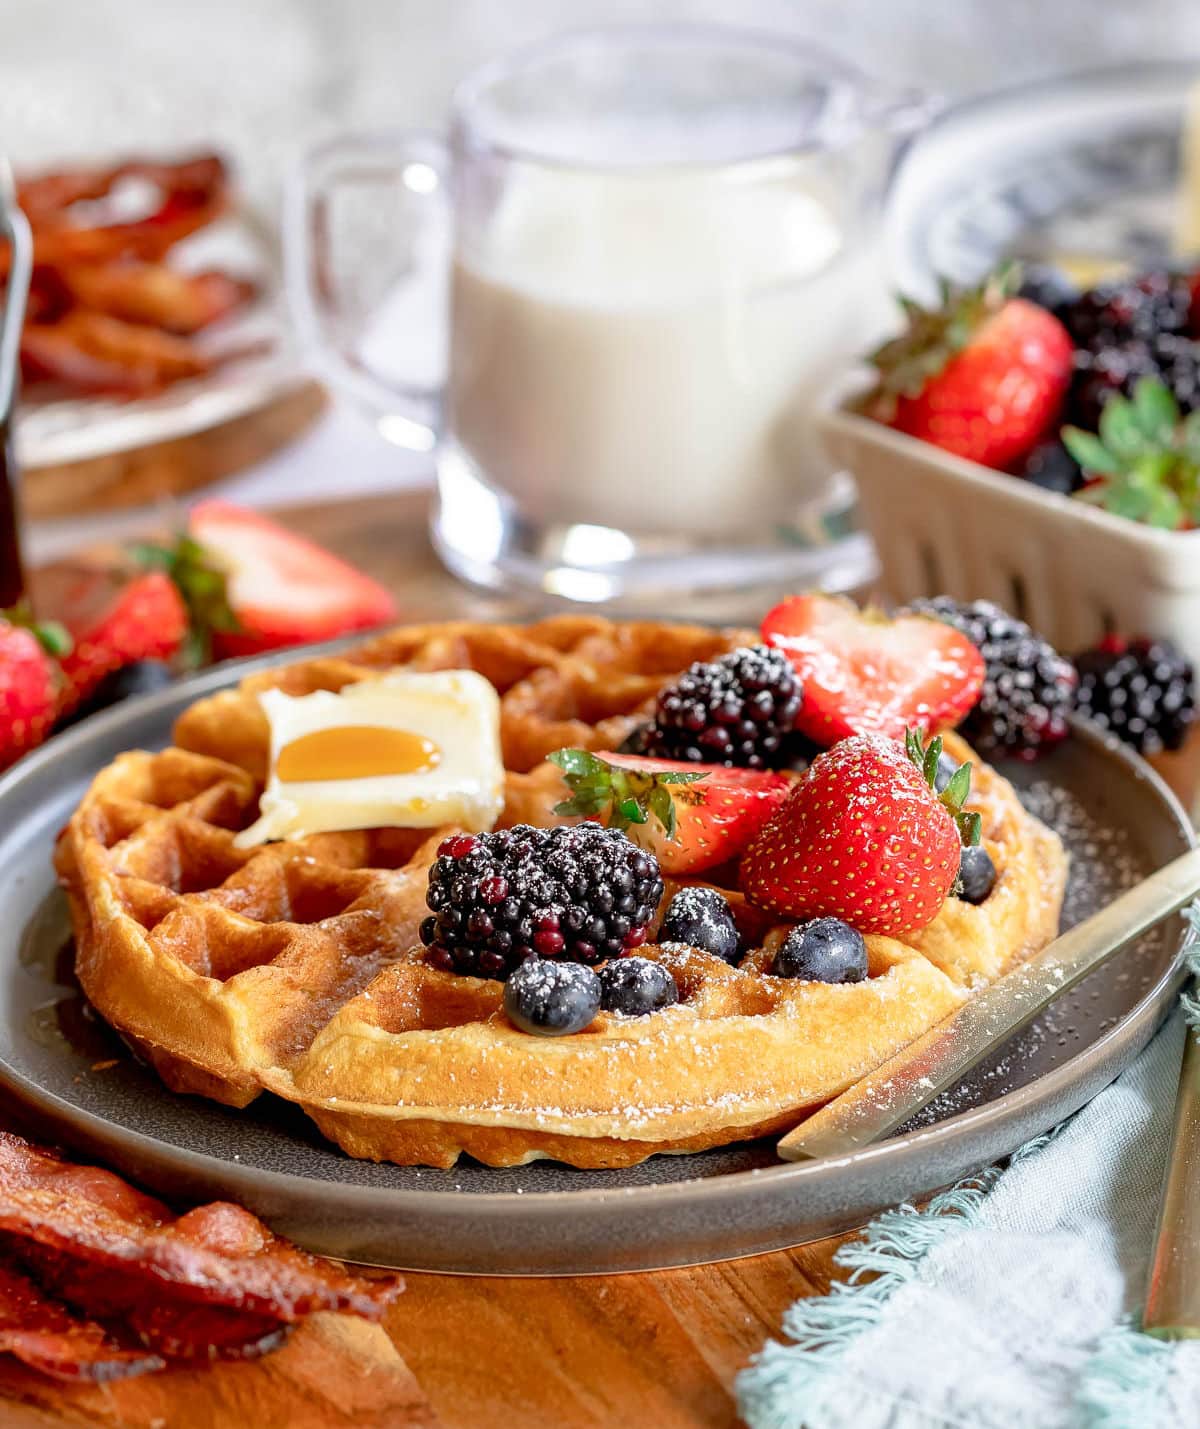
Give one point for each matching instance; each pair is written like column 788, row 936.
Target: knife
column 885, row 1099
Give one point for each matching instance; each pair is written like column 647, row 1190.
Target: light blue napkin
column 1009, row 1301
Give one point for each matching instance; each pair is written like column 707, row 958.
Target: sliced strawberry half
column 864, row 673
column 113, row 620
column 282, row 589
column 690, row 816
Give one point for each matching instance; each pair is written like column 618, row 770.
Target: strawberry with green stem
column 691, row 817
column 250, row 585
column 116, row 617
column 981, row 374
column 865, row 837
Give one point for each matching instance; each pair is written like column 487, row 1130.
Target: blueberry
column 1052, row 467
column 635, row 986
column 823, row 950
column 700, row 917
column 1047, row 286
column 551, row 999
column 946, row 770
column 976, row 874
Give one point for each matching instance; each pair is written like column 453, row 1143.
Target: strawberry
column 28, row 686
column 115, row 621
column 866, row 674
column 690, row 816
column 282, row 589
column 864, row 837
column 983, row 375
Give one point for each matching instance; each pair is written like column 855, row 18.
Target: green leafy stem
column 954, row 796
column 620, row 797
column 1144, row 460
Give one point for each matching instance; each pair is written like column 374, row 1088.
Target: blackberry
column 1144, row 691
column 822, row 950
column 1028, row 687
column 551, row 999
column 638, row 740
column 584, row 893
column 1052, row 467
column 636, row 986
column 1129, row 310
column 976, row 874
column 1101, row 373
column 700, row 917
column 737, row 711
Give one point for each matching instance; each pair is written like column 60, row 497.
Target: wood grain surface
column 463, row 1352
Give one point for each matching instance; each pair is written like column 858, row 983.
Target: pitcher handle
column 406, row 408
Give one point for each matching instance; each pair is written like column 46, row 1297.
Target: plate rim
column 895, row 1152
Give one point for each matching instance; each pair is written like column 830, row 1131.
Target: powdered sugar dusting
column 1104, row 863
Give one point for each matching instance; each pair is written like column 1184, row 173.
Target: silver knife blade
column 886, row 1098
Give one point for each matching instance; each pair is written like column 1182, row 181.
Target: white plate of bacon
column 154, row 310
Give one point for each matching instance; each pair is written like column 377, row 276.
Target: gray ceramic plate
column 79, row 1084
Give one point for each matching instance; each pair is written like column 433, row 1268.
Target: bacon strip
column 92, row 352
column 106, row 315
column 46, row 1336
column 150, row 293
column 192, row 194
column 216, row 1255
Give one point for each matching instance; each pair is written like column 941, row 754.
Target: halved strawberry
column 282, row 589
column 866, row 673
column 864, row 837
column 114, row 620
column 982, row 375
column 690, row 816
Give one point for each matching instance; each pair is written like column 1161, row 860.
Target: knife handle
column 1173, row 1300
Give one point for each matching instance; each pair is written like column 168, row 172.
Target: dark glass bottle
column 12, row 579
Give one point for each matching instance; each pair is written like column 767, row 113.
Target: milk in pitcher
column 643, row 349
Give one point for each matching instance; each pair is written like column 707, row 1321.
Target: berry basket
column 1073, row 571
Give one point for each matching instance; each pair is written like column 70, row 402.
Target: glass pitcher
column 609, row 302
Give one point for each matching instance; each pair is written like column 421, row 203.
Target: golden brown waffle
column 297, row 967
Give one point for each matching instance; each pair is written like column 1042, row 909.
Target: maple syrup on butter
column 355, row 752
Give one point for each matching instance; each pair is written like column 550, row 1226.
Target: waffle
column 296, row 967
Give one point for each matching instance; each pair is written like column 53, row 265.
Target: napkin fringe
column 786, row 1381
column 783, row 1376
column 1125, row 1381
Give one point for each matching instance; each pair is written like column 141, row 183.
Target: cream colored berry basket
column 945, row 525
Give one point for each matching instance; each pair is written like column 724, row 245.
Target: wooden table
column 658, row 1349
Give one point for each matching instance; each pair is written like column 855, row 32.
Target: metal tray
column 74, row 1081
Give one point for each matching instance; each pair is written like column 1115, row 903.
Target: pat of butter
column 452, row 716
